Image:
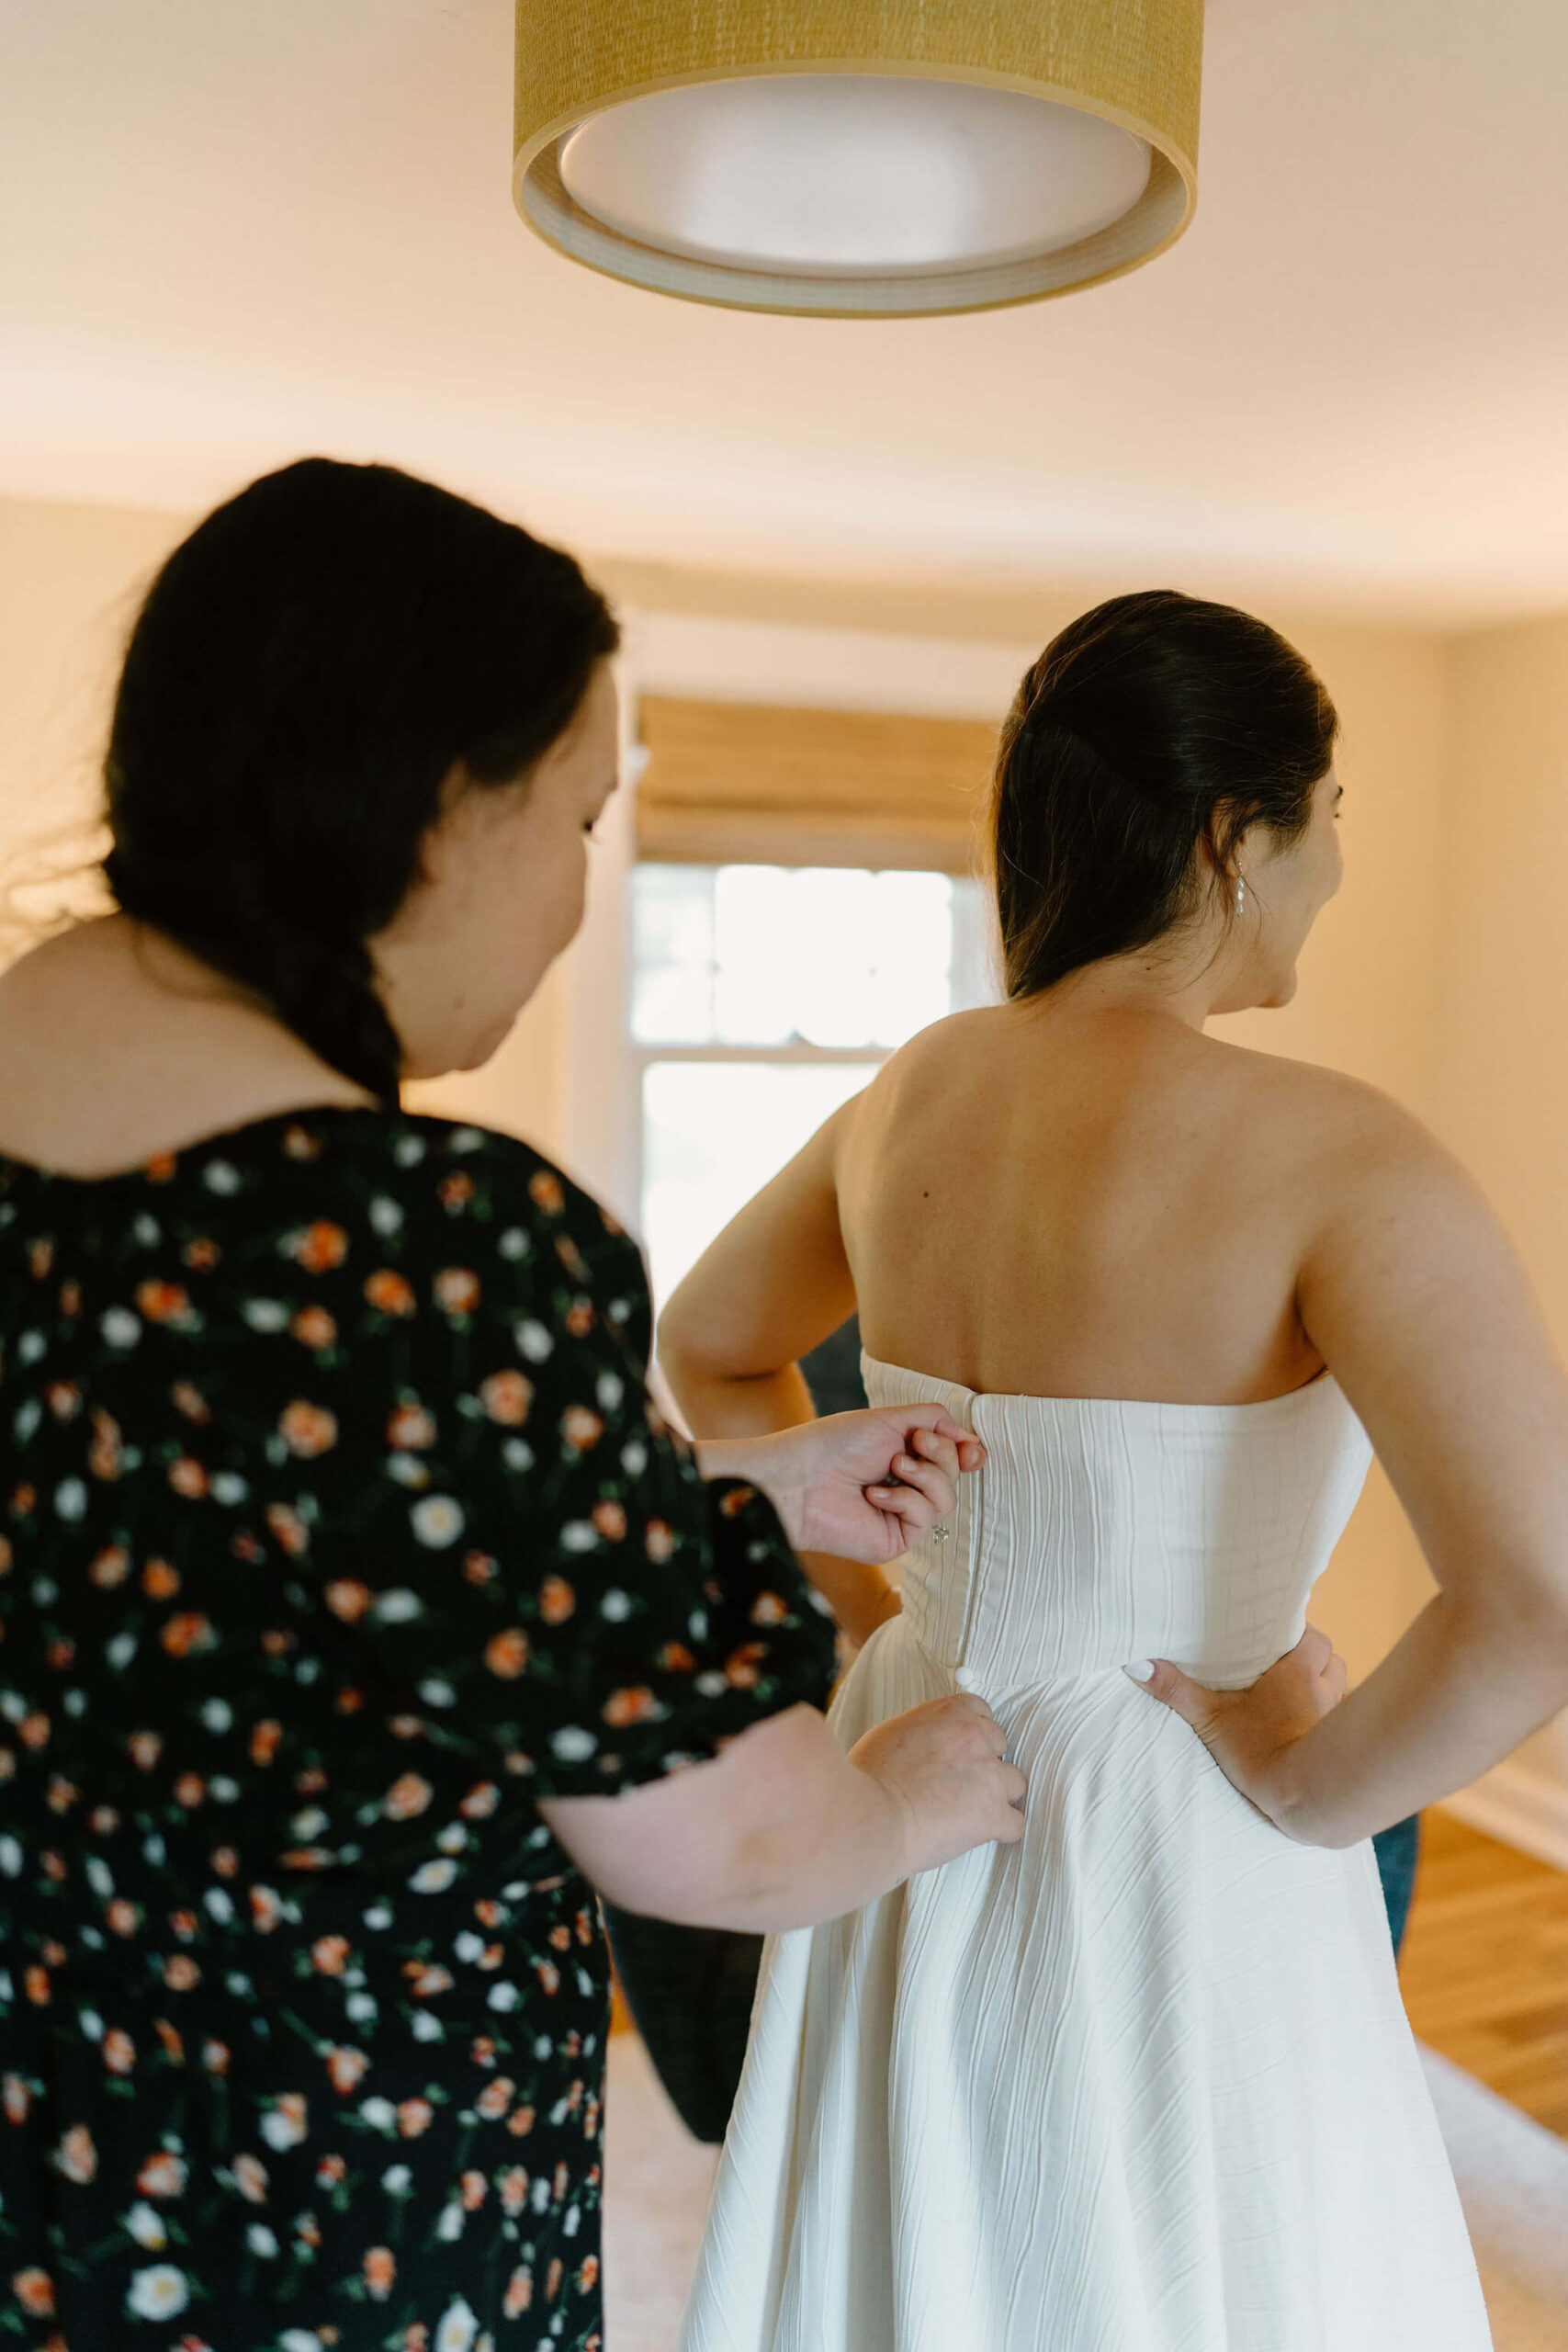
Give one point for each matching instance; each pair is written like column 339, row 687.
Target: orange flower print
column 456, row 1289
column 658, row 1540
column 173, row 2047
column 389, row 1295
column 160, row 1582
column 111, row 1566
column 162, row 1302
column 330, row 1954
column 456, row 1191
column 415, row 2116
column 557, row 1601
column 320, row 1248
column 307, row 1429
column 189, row 1791
column 163, row 2175
column 519, row 2123
column 379, row 2272
column 545, row 1192
column 519, row 2290
column 580, row 1315
column 506, row 1654
column 411, row 1430
column 478, row 1567
column 41, row 1257
column 299, row 1143
column 426, row 1982
column 553, row 2279
column 472, row 2189
column 120, row 2051
column 188, row 1631
column 265, row 1740
column 188, row 1478
column 15, row 2100
column 408, row 1796
column 250, row 2178
column 188, row 1399
column 76, row 2157
column 768, row 1610
column 106, row 1455
column 287, row 2121
column 549, row 1976
column 637, row 1705
column 741, row 1666
column 481, row 1801
column 63, row 1400
column 160, row 1168
column 34, row 2289
column 347, row 1599
column 35, row 1983
column 347, row 2069
column 330, row 2171
column 144, row 1748
column 496, row 2098
column 288, row 1528
column 201, row 1254
column 266, row 1909
column 314, row 1329
column 588, row 2273
column 123, row 1918
column 610, row 1519
column 676, row 1659
column 582, row 1428
column 215, row 2056
column 506, row 1397
column 34, row 1730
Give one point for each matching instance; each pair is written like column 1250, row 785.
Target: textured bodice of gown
column 1142, row 2082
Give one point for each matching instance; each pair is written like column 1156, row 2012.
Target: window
column 763, row 997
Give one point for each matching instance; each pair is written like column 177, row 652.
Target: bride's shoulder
column 1321, row 1115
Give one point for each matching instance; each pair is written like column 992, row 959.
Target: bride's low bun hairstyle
column 306, row 670
column 1150, row 725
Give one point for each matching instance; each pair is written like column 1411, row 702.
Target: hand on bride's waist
column 1250, row 1733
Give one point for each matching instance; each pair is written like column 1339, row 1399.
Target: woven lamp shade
column 1066, row 128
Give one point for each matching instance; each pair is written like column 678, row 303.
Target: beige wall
column 1501, row 1028
column 1435, row 974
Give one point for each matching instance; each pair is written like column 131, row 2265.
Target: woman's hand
column 864, row 1486
column 1251, row 1732
column 944, row 1765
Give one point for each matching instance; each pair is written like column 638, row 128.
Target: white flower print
column 450, row 2225
column 121, row 1328
column 534, row 1341
column 615, row 1605
column 380, row 2113
column 385, row 1217
column 436, row 1693
column 573, row 1745
column 222, row 1176
column 266, row 1314
column 70, row 1499
column 218, row 1715
column 157, row 2293
column 399, row 1606
column 397, row 2181
column 425, row 2028
column 458, row 2327
column 503, row 1996
column 260, row 2240
column 432, row 1877
column 146, row 2226
column 436, row 1520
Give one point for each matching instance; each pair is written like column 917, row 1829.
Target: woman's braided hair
column 309, row 667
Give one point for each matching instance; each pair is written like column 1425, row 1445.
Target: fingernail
column 1142, row 1670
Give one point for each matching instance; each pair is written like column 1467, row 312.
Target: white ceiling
column 233, row 231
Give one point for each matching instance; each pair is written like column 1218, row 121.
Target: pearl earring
column 1240, row 893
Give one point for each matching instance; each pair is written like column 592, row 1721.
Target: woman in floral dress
column 356, row 1609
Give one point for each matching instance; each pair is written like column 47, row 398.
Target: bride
column 1142, row 2082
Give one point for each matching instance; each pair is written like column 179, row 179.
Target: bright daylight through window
column 763, row 997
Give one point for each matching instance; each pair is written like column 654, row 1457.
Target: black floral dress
column 335, row 1530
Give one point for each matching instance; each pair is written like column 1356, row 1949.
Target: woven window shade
column 758, row 783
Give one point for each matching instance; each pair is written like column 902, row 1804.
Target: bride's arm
column 774, row 1282
column 1415, row 1296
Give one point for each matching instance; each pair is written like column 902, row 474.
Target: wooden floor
column 1485, row 1965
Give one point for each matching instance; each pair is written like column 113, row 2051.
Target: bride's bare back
column 1050, row 1201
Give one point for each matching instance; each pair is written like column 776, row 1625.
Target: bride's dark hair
column 307, row 668
column 1149, row 725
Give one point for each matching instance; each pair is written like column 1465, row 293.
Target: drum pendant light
column 858, row 158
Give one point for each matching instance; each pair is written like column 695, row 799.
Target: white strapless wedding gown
column 1144, row 2082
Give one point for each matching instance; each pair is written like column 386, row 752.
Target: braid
column 322, row 989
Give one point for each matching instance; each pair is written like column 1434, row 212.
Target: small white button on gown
column 1144, row 2082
